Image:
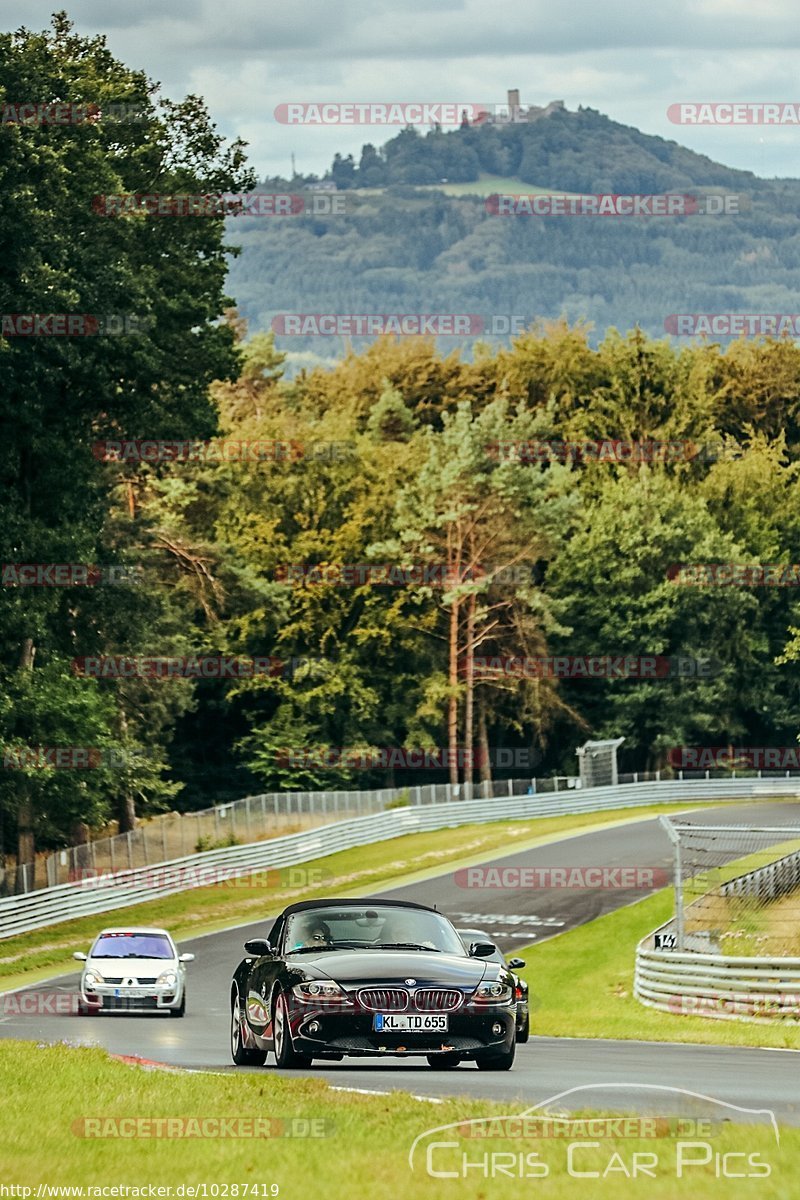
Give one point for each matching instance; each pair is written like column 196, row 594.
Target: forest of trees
column 390, row 457
column 393, row 458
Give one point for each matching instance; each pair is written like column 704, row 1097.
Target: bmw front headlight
column 492, row 992
column 320, row 991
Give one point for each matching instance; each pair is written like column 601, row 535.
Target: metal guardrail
column 34, row 910
column 769, row 882
column 727, row 987
column 716, row 985
column 174, row 835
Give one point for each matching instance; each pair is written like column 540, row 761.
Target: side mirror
column 516, row 963
column 80, row 956
column 186, row 958
column 481, row 949
column 259, row 948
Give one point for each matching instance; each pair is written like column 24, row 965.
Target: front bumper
column 108, row 998
column 471, row 1032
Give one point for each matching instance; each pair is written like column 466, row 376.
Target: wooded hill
column 405, row 245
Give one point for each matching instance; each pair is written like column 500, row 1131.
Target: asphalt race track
column 544, row 1067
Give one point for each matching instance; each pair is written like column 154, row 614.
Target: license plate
column 410, row 1023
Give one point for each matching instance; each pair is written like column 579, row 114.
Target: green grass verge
column 582, row 981
column 50, row 1092
column 31, row 957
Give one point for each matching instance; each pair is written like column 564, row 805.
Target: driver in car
column 311, row 931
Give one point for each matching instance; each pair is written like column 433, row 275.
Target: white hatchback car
column 133, row 970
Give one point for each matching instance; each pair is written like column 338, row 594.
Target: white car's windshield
column 378, row 927
column 132, row 945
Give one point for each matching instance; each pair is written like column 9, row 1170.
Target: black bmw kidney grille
column 437, row 999
column 384, row 999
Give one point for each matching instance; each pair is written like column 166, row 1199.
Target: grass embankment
column 40, row 954
column 583, row 987
column 51, row 1092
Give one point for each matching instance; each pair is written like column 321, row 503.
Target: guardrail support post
column 675, row 838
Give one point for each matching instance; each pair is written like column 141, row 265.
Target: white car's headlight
column 318, row 991
column 167, row 979
column 92, row 978
column 492, row 993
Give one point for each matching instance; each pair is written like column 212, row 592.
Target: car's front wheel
column 181, row 1009
column 285, row 1053
column 239, row 1052
column 497, row 1062
column 525, row 1032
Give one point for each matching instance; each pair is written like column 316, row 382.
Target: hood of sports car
column 394, row 967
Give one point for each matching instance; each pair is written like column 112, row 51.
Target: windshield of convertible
column 370, row 927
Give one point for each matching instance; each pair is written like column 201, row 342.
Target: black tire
column 443, row 1062
column 239, row 1052
column 497, row 1062
column 88, row 1010
column 179, row 1012
column 286, row 1056
column 524, row 1033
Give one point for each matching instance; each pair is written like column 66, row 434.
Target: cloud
column 629, row 61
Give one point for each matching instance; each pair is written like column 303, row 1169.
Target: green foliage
column 59, row 395
column 205, row 842
column 595, row 541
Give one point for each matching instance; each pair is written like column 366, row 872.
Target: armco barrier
column 769, row 882
column 716, row 985
column 172, row 835
column 726, row 987
column 19, row 914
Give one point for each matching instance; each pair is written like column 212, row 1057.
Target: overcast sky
column 629, row 60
